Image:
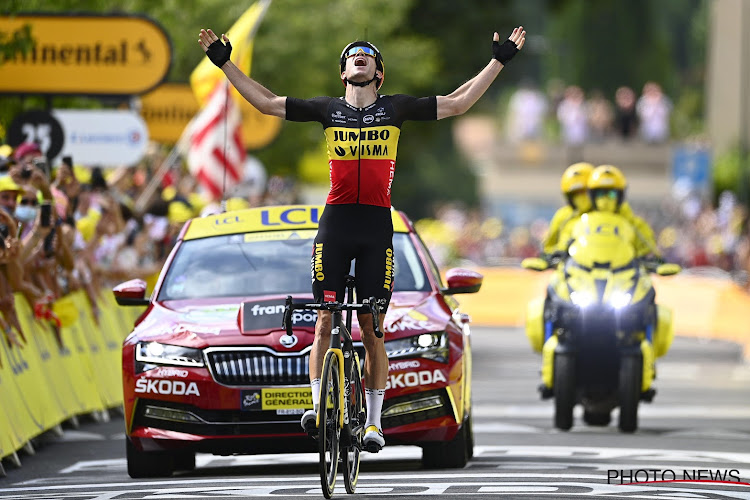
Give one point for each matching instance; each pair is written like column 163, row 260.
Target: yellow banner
column 87, row 55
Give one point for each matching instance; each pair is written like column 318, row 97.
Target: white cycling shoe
column 310, row 421
column 373, row 440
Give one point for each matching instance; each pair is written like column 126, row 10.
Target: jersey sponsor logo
column 391, row 173
column 329, row 296
column 318, row 269
column 414, row 379
column 166, row 387
column 340, row 151
column 388, row 282
column 368, row 119
column 372, row 134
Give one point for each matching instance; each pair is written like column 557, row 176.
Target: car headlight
column 582, row 299
column 618, row 300
column 427, row 345
column 151, row 354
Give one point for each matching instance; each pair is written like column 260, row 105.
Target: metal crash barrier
column 43, row 384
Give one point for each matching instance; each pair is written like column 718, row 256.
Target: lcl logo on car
column 288, row 341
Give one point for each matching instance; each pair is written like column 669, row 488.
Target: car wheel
column 184, row 460
column 451, row 455
column 147, row 464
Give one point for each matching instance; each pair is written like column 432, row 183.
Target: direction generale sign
column 87, row 55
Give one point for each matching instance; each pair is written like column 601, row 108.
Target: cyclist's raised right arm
column 256, row 94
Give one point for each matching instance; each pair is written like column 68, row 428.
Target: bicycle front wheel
column 357, row 418
column 328, row 430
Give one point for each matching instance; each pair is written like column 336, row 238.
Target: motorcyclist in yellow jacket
column 606, row 186
column 573, row 187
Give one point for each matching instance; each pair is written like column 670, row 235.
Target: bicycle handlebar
column 367, row 306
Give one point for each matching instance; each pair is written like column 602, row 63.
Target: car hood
column 213, row 322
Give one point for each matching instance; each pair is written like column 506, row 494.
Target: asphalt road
column 698, row 424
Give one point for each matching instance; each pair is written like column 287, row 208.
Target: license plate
column 291, row 411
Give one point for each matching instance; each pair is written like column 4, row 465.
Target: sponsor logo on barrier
column 166, row 387
column 414, row 379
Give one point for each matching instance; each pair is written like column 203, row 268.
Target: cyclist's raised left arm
column 460, row 100
column 256, row 94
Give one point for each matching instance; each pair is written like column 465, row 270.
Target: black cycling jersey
column 362, row 142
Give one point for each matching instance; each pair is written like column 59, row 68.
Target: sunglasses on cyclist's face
column 354, row 51
column 29, row 201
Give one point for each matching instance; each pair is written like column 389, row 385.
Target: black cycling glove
column 504, row 52
column 219, row 53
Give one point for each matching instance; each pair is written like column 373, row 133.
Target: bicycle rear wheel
column 328, row 430
column 357, row 417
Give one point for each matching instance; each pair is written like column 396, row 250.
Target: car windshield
column 269, row 263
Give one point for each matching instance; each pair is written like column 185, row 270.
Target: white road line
column 646, row 411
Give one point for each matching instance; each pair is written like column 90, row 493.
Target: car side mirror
column 462, row 281
column 131, row 293
column 535, row 264
column 668, row 269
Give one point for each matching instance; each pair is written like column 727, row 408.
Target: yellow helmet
column 607, row 177
column 575, row 177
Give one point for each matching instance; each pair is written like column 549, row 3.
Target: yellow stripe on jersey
column 378, row 143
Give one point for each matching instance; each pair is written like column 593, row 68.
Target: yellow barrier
column 42, row 384
column 701, row 306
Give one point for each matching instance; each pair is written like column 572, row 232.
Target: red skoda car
column 193, row 381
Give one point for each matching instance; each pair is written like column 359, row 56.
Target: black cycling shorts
column 363, row 233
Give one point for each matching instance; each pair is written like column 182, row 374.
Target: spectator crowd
column 72, row 228
column 584, row 119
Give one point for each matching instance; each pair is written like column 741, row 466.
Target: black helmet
column 366, row 45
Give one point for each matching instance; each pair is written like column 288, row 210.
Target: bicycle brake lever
column 286, row 322
column 374, row 310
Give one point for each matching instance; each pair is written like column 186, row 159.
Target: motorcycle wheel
column 630, row 392
column 565, row 390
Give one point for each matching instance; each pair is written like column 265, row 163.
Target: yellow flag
column 206, row 75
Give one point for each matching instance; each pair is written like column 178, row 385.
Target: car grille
column 252, row 367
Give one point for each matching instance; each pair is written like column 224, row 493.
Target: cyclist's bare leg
column 321, row 343
column 376, row 360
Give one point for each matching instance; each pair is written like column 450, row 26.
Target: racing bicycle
column 342, row 413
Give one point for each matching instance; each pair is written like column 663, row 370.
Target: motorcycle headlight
column 148, row 355
column 427, row 345
column 582, row 299
column 618, row 300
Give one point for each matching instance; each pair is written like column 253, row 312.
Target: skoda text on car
column 203, row 374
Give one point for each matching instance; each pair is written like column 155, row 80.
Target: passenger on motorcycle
column 606, row 187
column 573, row 187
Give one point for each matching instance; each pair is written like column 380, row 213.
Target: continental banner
column 44, row 384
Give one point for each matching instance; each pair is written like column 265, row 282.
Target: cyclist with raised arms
column 362, row 131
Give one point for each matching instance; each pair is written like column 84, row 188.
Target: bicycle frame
column 337, row 309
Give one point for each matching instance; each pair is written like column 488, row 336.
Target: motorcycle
column 599, row 329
